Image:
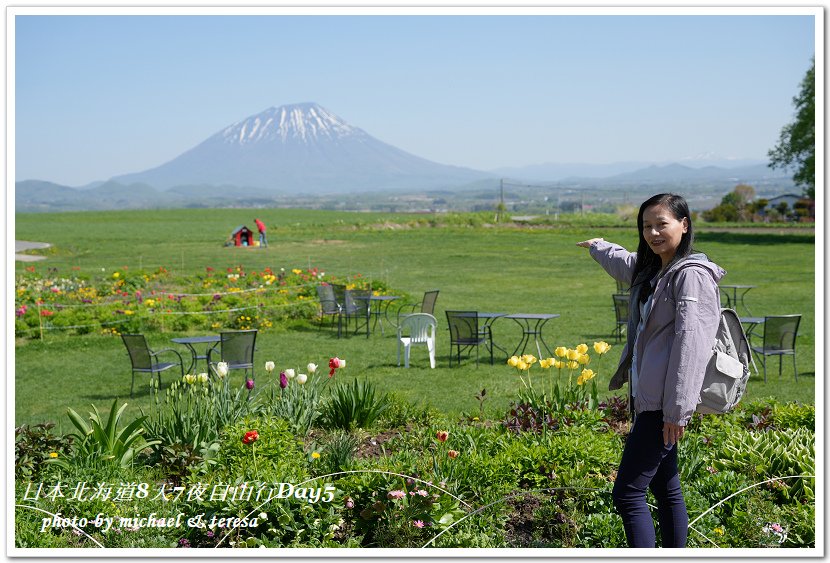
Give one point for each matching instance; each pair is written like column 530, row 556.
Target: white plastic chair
column 421, row 330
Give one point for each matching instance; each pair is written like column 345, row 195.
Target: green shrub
column 794, row 415
column 100, row 441
column 34, row 446
column 338, row 452
column 275, row 456
column 773, row 454
column 353, row 406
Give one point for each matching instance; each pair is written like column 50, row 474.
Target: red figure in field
column 263, row 242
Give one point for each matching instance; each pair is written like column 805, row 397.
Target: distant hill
column 300, row 152
column 301, row 148
column 623, row 173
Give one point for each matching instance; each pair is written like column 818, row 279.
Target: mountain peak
column 306, row 122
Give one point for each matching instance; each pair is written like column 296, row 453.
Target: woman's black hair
column 647, row 260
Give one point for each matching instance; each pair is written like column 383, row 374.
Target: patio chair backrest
column 138, row 350
column 419, row 326
column 780, row 332
column 355, row 301
column 621, row 303
column 622, row 287
column 428, row 304
column 328, row 302
column 463, row 327
column 339, row 294
column 237, row 346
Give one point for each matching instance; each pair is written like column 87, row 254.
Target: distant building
column 790, row 199
column 793, row 202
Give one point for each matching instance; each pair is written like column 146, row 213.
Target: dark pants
column 647, row 463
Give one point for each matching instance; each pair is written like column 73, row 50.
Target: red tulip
column 250, row 437
column 335, row 363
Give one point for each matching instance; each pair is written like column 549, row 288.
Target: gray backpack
column 728, row 370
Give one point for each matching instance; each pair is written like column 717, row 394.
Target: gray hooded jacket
column 679, row 332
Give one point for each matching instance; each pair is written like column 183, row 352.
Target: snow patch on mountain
column 304, row 122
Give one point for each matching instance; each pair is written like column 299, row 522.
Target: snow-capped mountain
column 304, row 123
column 300, row 148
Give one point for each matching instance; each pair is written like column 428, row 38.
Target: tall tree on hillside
column 797, row 144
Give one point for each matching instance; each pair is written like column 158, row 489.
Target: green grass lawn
column 474, row 265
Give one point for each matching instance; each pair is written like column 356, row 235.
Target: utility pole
column 500, row 209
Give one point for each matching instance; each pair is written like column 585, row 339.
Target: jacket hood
column 701, row 260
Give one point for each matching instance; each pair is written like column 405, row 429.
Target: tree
column 797, row 144
column 734, row 206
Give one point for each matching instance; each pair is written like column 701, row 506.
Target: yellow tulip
column 523, row 365
column 587, row 374
column 584, row 359
column 558, row 364
column 573, row 364
column 573, row 354
column 545, row 364
column 513, row 361
column 561, row 351
column 582, row 348
column 529, row 359
column 601, row 347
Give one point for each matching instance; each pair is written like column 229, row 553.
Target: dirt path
column 24, row 245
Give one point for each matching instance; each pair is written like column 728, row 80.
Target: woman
column 673, row 318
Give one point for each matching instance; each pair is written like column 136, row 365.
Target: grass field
column 474, row 265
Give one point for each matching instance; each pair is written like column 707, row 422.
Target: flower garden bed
column 305, row 460
column 125, row 301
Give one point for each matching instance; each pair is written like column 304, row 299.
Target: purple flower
column 349, row 502
column 184, row 543
column 283, row 380
column 249, row 384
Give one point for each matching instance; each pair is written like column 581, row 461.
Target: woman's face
column 663, row 232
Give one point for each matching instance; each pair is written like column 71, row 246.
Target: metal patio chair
column 621, row 303
column 329, row 306
column 427, row 305
column 466, row 333
column 143, row 359
column 236, row 348
column 780, row 332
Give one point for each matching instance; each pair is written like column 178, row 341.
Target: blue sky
column 98, row 96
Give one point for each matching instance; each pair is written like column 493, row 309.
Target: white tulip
column 269, row 366
column 202, row 377
column 222, row 369
column 289, row 373
column 312, row 368
column 302, row 378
